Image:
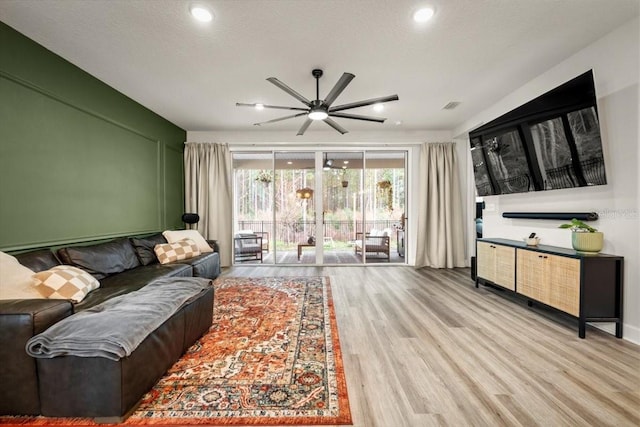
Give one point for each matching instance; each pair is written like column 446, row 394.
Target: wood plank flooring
column 424, row 347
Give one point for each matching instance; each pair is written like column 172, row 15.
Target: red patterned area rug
column 272, row 357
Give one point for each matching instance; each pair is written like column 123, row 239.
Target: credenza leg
column 581, row 328
column 618, row 329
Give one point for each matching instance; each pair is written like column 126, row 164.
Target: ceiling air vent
column 451, row 105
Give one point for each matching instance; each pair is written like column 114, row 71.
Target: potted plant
column 386, row 189
column 264, row 177
column 584, row 238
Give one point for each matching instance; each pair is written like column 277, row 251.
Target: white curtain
column 207, row 180
column 440, row 241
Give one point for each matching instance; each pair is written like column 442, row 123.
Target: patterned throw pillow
column 176, row 251
column 65, row 282
column 173, row 236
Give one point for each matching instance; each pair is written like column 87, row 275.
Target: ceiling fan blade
column 304, row 127
column 241, row 104
column 335, row 126
column 280, row 119
column 364, row 103
column 338, row 88
column 357, row 117
column 290, row 91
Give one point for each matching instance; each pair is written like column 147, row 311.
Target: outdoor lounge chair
column 263, row 234
column 375, row 242
column 247, row 247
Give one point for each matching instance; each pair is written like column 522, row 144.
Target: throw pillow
column 65, row 282
column 170, row 252
column 16, row 280
column 144, row 248
column 173, row 236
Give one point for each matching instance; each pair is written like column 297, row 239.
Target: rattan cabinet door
column 564, row 284
column 486, row 261
column 497, row 264
column 505, row 275
column 532, row 276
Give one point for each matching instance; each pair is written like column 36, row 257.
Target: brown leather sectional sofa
column 70, row 386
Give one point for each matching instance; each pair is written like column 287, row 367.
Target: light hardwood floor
column 425, row 347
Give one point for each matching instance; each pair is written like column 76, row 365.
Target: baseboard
column 629, row 333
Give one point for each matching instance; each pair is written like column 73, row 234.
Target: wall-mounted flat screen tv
column 548, row 143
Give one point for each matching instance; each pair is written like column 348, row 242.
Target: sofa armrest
column 19, row 321
column 39, row 313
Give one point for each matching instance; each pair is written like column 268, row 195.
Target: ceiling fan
column 321, row 109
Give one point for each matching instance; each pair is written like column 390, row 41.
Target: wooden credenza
column 586, row 286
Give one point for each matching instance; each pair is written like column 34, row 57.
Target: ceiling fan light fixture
column 378, row 107
column 321, row 109
column 318, row 115
column 259, row 106
column 423, row 15
column 201, row 13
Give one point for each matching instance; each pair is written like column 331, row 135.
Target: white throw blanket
column 115, row 328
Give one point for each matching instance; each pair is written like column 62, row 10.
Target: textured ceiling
column 473, row 51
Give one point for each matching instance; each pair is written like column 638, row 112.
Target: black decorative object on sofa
column 190, row 218
column 565, row 216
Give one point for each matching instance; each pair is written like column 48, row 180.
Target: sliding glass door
column 384, row 198
column 320, row 207
column 295, row 213
column 342, row 214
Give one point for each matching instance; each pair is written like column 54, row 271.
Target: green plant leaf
column 577, row 225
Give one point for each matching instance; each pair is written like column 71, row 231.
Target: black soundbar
column 583, row 216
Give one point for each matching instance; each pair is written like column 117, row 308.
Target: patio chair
column 263, row 234
column 247, row 247
column 375, row 242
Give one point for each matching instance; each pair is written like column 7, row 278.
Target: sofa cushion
column 173, row 236
column 65, row 282
column 170, row 252
column 103, row 259
column 144, row 248
column 131, row 280
column 204, row 265
column 38, row 260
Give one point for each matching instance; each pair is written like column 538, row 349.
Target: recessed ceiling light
column 423, row 15
column 378, row 107
column 259, row 106
column 289, row 162
column 201, row 13
column 346, row 162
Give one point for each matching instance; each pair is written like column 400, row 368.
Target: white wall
column 615, row 62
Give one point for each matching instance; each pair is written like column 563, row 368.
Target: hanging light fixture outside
column 304, row 193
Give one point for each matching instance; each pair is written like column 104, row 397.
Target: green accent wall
column 79, row 161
